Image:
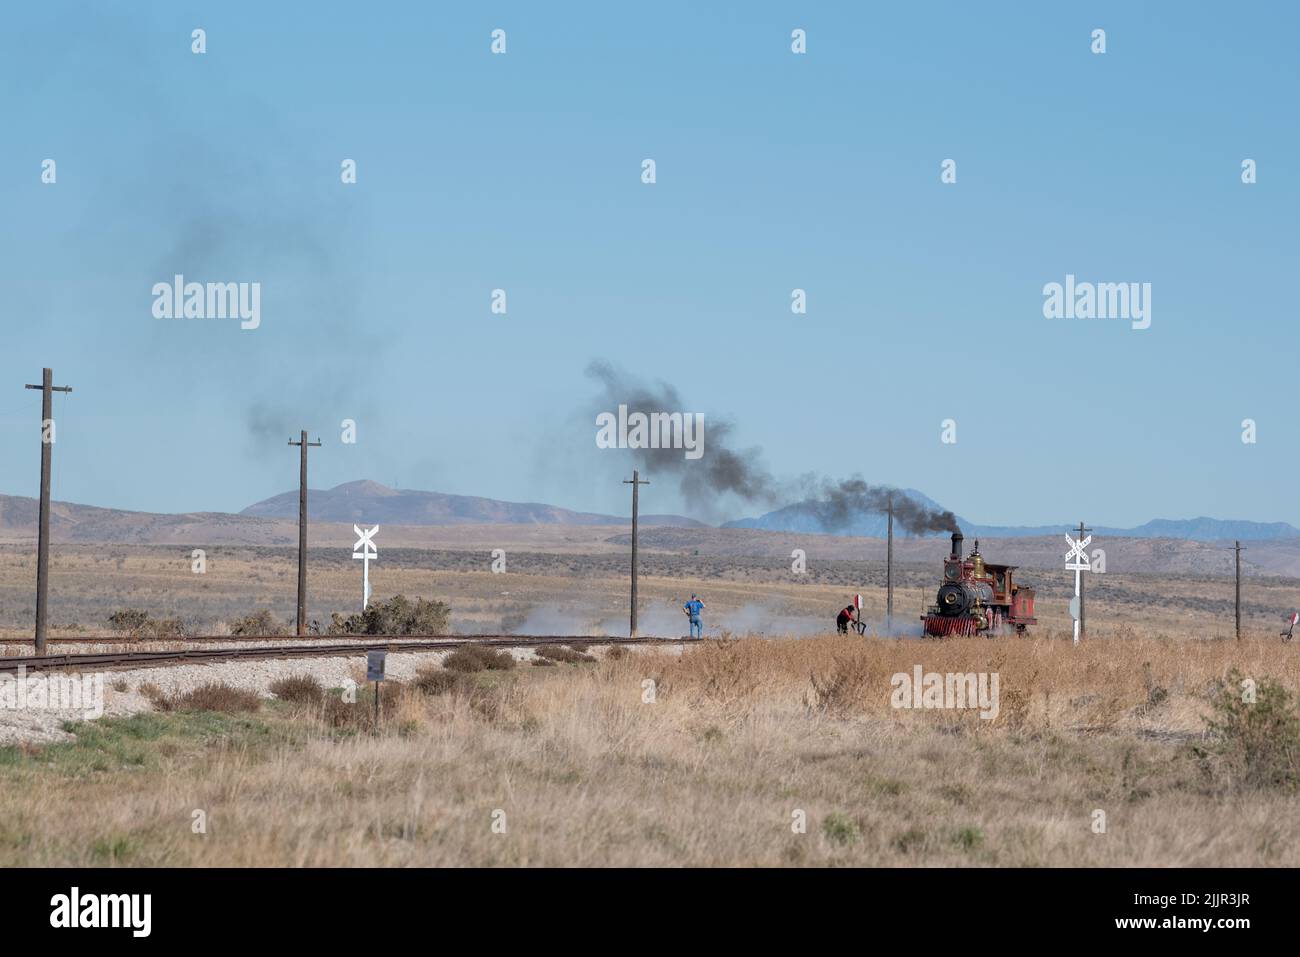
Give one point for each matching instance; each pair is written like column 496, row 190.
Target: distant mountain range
column 374, row 503
column 802, row 517
column 272, row 521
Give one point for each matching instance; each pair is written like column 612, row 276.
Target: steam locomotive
column 978, row 597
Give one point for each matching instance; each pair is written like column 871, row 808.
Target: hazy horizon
column 969, row 522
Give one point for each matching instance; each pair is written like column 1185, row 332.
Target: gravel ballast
column 40, row 725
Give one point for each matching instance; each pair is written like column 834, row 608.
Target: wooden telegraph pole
column 635, row 482
column 889, row 571
column 1236, row 545
column 47, row 387
column 302, row 530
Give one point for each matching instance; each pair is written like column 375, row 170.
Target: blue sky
column 775, row 172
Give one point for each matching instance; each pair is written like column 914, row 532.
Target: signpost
column 1077, row 561
column 375, row 661
column 368, row 550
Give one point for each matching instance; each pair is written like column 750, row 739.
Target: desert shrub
column 477, row 658
column 839, row 829
column 390, row 693
column 1014, row 710
column 165, row 628
column 140, row 624
column 397, row 616
column 839, row 689
column 492, row 702
column 724, row 670
column 302, row 689
column 968, row 838
column 258, row 623
column 130, row 621
column 435, row 681
column 616, row 652
column 912, row 839
column 561, row 654
column 1253, row 744
column 340, row 715
column 213, row 696
column 500, row 704
column 359, row 715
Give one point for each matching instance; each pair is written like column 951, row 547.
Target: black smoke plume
column 838, row 502
column 726, row 469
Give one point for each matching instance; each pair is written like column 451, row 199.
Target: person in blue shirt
column 692, row 609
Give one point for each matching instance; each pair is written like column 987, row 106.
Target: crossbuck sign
column 365, row 549
column 1078, row 562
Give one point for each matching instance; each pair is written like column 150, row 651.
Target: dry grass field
column 740, row 744
column 780, row 748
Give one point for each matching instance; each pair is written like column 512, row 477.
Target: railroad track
column 228, row 639
column 150, row 659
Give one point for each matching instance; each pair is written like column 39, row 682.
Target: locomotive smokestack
column 956, row 544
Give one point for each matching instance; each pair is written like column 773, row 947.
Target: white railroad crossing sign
column 1083, row 563
column 1078, row 562
column 365, row 549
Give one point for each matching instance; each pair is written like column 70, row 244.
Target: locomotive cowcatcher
column 977, row 596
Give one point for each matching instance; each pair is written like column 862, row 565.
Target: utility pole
column 889, row 571
column 1082, row 531
column 635, row 482
column 47, row 387
column 302, row 531
column 1236, row 548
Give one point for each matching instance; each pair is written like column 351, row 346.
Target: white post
column 1077, row 573
column 368, row 551
column 1077, row 560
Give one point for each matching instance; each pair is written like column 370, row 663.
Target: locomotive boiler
column 978, row 597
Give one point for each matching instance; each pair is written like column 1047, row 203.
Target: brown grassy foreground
column 579, row 764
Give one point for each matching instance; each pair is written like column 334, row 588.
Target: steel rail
column 236, row 639
column 148, row 659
